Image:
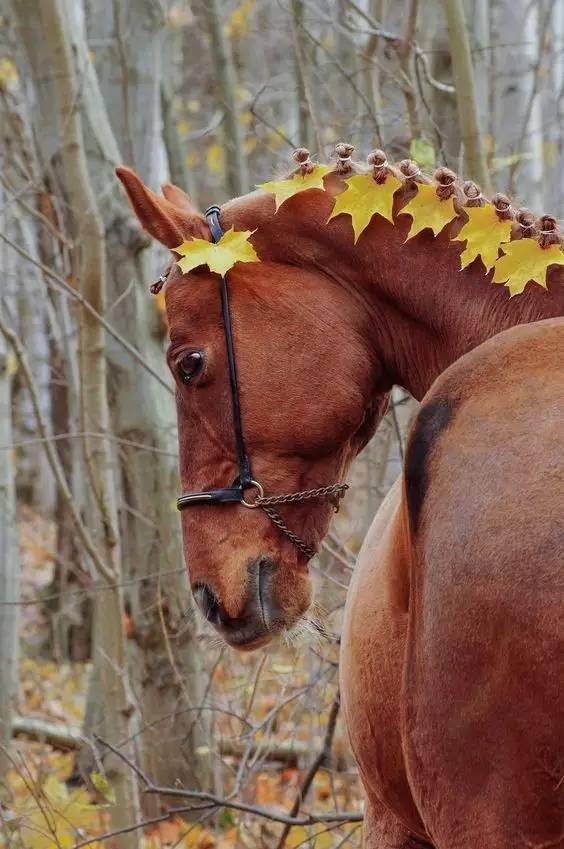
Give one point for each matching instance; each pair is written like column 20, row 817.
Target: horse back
column 483, row 701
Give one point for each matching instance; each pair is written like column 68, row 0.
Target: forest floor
column 285, row 694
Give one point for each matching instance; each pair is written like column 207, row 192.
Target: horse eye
column 190, row 366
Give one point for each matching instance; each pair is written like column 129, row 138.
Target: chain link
column 307, row 550
column 331, row 493
column 338, row 490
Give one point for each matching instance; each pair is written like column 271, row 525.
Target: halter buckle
column 253, row 485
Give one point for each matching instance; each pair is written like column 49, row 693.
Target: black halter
column 244, row 480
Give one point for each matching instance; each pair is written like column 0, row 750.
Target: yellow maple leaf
column 427, row 210
column 8, row 72
column 525, row 260
column 215, row 159
column 234, row 246
column 238, row 23
column 484, row 233
column 103, row 787
column 284, row 189
column 363, row 198
column 57, row 817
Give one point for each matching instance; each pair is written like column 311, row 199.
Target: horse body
column 452, row 640
column 453, row 647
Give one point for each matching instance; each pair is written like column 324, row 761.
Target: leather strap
column 244, row 477
column 212, row 496
column 244, row 480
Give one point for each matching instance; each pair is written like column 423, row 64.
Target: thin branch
column 93, row 588
column 57, row 437
column 348, row 77
column 252, row 109
column 52, row 456
column 320, row 761
column 396, row 41
column 108, row 835
column 300, row 67
column 219, row 802
column 77, row 296
column 36, row 213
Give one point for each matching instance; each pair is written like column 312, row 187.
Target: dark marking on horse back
column 432, row 419
column 414, row 842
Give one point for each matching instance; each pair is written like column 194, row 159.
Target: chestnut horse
column 453, row 637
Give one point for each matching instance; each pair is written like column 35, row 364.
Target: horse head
column 311, row 393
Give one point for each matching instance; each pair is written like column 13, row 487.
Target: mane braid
column 465, row 193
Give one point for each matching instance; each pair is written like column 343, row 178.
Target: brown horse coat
column 451, row 649
column 453, row 644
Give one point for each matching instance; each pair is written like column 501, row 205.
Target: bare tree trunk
column 480, row 25
column 9, row 551
column 165, row 663
column 90, row 239
column 468, row 117
column 371, row 69
column 406, row 62
column 179, row 173
column 237, row 178
column 303, row 132
column 554, row 176
column 527, row 171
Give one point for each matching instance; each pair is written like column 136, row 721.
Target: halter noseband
column 244, row 480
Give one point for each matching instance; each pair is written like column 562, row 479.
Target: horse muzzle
column 261, row 618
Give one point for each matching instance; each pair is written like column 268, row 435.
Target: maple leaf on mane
column 524, row 260
column 427, row 210
column 484, row 233
column 363, row 198
column 285, row 189
column 234, row 246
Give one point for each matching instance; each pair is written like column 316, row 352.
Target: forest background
column 123, row 722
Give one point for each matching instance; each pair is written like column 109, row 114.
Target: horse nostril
column 207, row 601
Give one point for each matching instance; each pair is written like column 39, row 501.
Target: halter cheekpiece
column 244, row 482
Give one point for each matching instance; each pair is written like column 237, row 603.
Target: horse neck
column 424, row 313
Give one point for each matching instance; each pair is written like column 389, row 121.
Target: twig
column 347, row 76
column 530, row 101
column 108, row 835
column 396, row 41
column 52, row 456
column 218, row 802
column 36, row 213
column 57, row 437
column 305, row 83
column 252, row 109
column 320, row 761
column 77, row 296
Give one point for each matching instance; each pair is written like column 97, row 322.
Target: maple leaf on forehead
column 363, row 198
column 483, row 233
column 234, row 246
column 525, row 260
column 427, row 210
column 284, row 189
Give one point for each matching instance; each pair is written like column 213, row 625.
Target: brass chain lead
column 332, row 493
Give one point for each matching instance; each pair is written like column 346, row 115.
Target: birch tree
column 164, row 658
column 470, row 132
column 9, row 552
column 89, row 236
column 237, row 181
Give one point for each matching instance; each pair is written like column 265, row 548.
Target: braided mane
column 465, row 193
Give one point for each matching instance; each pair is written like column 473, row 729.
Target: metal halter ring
column 251, row 504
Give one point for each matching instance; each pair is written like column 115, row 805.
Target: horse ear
column 179, row 198
column 165, row 221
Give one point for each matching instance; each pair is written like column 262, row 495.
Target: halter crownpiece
column 236, row 493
